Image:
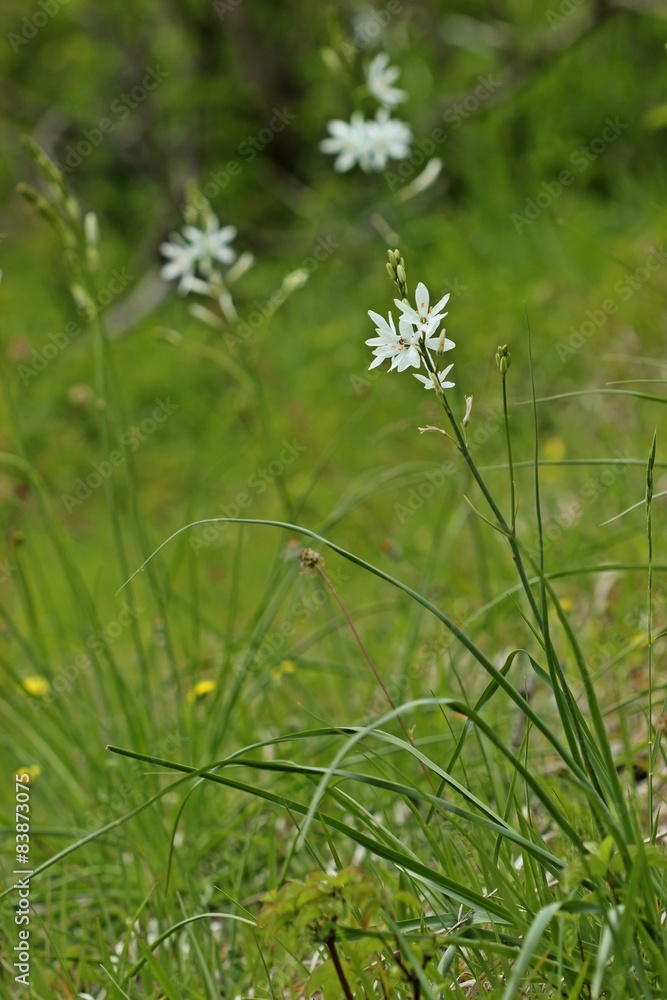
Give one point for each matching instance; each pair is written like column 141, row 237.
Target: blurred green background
column 556, row 75
column 510, row 95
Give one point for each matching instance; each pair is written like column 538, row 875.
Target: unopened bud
column 466, row 418
column 83, row 301
column 91, row 229
column 503, row 358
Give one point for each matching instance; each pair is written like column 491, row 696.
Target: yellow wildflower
column 36, row 686
column 201, row 689
column 33, row 772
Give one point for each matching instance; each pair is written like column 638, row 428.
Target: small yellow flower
column 36, row 686
column 567, row 604
column 201, row 689
column 554, row 449
column 33, row 772
column 284, row 667
column 639, row 639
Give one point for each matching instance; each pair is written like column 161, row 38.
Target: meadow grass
column 427, row 762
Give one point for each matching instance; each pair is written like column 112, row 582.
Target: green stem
column 509, row 455
column 652, row 734
column 370, row 663
column 504, row 526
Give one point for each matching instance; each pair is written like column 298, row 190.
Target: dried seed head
column 310, row 559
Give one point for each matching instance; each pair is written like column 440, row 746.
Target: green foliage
column 350, row 914
column 486, row 816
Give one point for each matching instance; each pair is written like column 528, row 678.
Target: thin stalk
column 504, row 526
column 653, row 743
column 508, row 438
column 340, row 971
column 390, row 700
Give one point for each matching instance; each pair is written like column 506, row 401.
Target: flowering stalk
column 653, row 741
column 503, row 360
column 416, row 344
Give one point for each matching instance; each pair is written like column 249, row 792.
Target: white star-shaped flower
column 441, row 377
column 402, row 347
column 389, row 139
column 213, row 242
column 350, row 142
column 181, row 262
column 380, row 78
column 424, row 314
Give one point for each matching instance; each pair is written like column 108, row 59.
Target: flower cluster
column 197, row 250
column 419, row 340
column 371, row 143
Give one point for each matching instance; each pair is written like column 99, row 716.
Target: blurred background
column 549, row 118
column 515, row 93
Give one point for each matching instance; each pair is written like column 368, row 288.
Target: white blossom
column 211, row 244
column 429, row 380
column 400, row 347
column 417, row 340
column 197, row 250
column 350, row 143
column 389, row 139
column 424, row 314
column 181, row 262
column 380, row 78
column 368, row 143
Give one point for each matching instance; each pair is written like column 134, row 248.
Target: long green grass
column 428, row 762
column 501, row 800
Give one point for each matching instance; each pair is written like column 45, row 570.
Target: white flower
column 425, row 314
column 197, row 249
column 389, row 139
column 441, row 343
column 181, row 262
column 350, row 142
column 442, row 382
column 401, row 347
column 379, row 79
column 212, row 243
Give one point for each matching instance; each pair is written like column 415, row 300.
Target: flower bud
column 503, row 359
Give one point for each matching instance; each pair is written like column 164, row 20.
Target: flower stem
column 370, row 663
column 509, row 455
column 504, row 526
column 340, row 971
